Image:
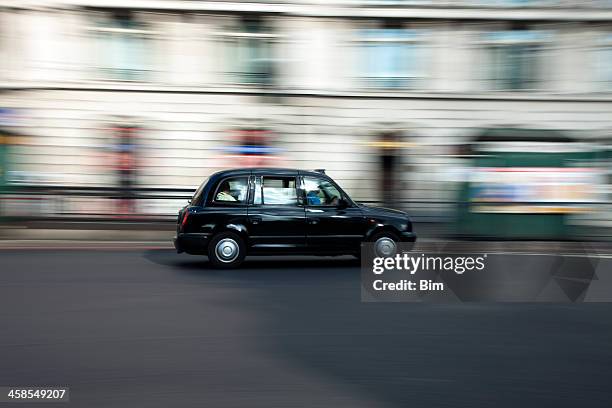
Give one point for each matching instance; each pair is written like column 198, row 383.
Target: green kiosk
column 525, row 183
column 8, row 143
column 3, row 161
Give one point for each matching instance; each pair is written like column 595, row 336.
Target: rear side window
column 232, row 191
column 278, row 191
column 197, row 196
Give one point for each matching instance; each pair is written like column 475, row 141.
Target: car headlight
column 406, row 226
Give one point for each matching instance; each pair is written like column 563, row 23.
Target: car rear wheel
column 385, row 244
column 226, row 250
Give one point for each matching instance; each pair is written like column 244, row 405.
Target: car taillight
column 185, row 216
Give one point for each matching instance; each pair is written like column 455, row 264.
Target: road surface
column 155, row 329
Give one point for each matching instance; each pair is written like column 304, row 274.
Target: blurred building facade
column 361, row 88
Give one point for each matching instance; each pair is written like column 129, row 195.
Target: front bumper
column 408, row 239
column 408, row 236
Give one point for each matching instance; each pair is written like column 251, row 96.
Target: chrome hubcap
column 227, row 250
column 385, row 247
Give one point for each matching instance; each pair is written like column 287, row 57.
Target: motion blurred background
column 482, row 118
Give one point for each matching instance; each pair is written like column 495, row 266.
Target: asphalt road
column 157, row 329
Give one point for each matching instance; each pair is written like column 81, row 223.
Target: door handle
column 255, row 220
column 313, row 221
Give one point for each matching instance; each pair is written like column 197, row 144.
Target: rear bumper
column 191, row 243
column 177, row 244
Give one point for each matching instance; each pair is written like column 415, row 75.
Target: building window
column 250, row 52
column 394, row 2
column 603, row 64
column 393, row 58
column 514, row 59
column 515, row 3
column 124, row 47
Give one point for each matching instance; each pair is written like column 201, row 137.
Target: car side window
column 320, row 192
column 278, row 191
column 232, row 191
column 197, row 196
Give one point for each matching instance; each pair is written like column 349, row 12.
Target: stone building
column 331, row 79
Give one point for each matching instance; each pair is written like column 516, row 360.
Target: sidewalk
column 83, row 234
column 117, row 235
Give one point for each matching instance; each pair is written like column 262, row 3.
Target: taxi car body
column 263, row 211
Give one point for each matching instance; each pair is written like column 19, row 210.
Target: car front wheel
column 385, row 244
column 226, row 250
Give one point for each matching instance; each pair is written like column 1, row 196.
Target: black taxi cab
column 264, row 211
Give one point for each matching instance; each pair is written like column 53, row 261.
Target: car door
column 226, row 206
column 277, row 221
column 333, row 223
